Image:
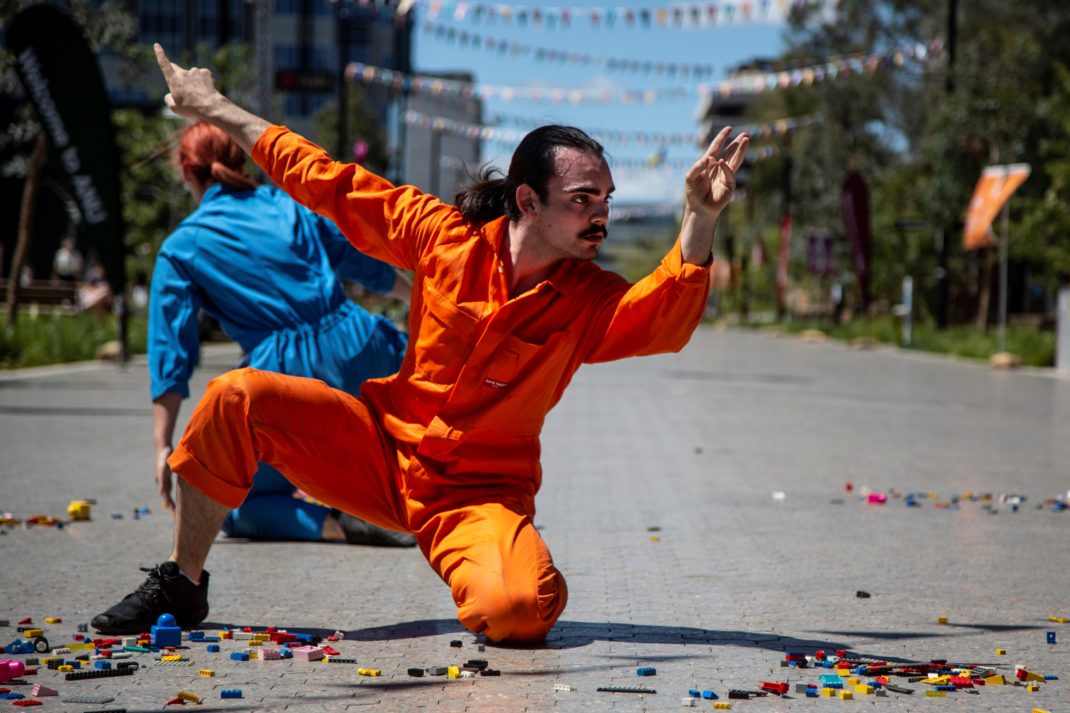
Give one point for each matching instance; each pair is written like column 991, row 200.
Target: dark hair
column 491, row 196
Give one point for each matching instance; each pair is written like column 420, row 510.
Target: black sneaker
column 166, row 590
column 361, row 532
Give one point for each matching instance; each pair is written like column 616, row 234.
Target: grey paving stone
column 693, row 444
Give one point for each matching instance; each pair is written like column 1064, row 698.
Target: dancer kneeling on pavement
column 269, row 271
column 507, row 305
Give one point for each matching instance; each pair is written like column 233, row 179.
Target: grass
column 1035, row 347
column 51, row 337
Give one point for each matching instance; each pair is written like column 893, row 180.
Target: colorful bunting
column 501, row 135
column 686, row 15
column 746, row 83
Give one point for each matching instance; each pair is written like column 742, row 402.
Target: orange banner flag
column 995, row 187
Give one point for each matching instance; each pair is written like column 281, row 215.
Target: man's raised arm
column 193, row 94
column 708, row 188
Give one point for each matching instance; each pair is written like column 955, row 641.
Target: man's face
column 572, row 223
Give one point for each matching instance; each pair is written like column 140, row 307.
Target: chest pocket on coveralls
column 515, row 356
column 445, row 338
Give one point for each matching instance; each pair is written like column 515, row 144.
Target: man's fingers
column 718, row 142
column 165, row 63
column 736, row 152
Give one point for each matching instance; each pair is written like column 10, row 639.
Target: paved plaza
column 696, row 503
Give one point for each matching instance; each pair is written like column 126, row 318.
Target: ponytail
column 488, row 197
column 213, row 157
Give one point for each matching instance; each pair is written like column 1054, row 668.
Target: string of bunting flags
column 477, row 41
column 511, row 137
column 828, row 68
column 748, row 83
column 673, row 15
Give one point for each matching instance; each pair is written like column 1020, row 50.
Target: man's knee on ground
column 514, row 612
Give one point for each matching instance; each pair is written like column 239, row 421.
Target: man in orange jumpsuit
column 506, row 305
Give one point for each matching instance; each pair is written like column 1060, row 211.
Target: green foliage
column 1036, row 348
column 54, row 337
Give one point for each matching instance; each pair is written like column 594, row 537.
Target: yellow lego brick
column 1030, row 676
column 453, row 671
column 369, row 672
column 78, row 510
column 65, row 668
column 207, row 672
column 1001, row 652
column 1032, row 688
column 1058, row 619
column 828, row 692
column 997, row 680
column 81, row 647
column 1040, row 710
column 844, row 672
column 33, row 633
column 44, row 661
column 53, row 620
column 171, row 657
column 936, row 694
column 254, row 642
column 937, row 680
column 721, row 706
column 864, row 689
column 846, row 695
column 655, row 538
column 187, row 696
column 852, row 681
column 941, row 620
column 225, row 635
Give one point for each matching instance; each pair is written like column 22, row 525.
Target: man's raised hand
column 712, row 179
column 192, row 91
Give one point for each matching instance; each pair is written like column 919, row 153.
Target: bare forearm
column 696, row 236
column 164, row 415
column 241, row 125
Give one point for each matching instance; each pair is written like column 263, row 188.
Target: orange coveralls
column 447, row 448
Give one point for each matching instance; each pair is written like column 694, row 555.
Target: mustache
column 596, row 230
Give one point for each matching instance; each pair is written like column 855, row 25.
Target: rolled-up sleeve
column 174, row 336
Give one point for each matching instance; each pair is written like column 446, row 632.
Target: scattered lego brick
column 417, row 672
column 456, row 643
column 646, row 671
column 490, row 672
column 773, row 687
column 26, row 703
column 453, row 671
column 562, row 687
column 437, row 671
column 373, row 672
column 81, row 675
column 1051, row 637
column 187, row 696
column 625, row 689
column 42, row 691
column 10, row 669
column 230, row 693
column 720, row 706
column 206, row 672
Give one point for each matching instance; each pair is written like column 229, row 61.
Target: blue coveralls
column 268, row 271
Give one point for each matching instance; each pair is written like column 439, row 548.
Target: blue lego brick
column 812, row 693
column 166, row 632
column 239, row 656
column 1051, row 637
column 695, row 693
column 212, row 648
column 102, row 664
column 709, row 695
column 230, row 693
column 646, row 671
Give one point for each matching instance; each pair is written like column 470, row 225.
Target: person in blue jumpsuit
column 270, row 272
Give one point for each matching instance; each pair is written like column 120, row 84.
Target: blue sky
column 722, row 46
